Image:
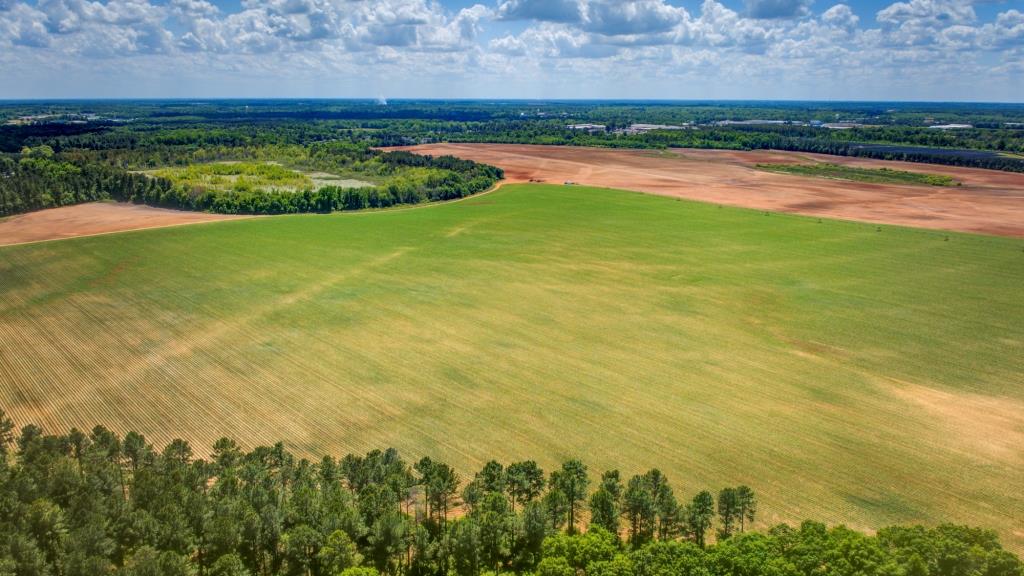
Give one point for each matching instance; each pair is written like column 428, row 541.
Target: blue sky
column 665, row 49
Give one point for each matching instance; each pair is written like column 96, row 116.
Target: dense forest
column 88, row 504
column 41, row 178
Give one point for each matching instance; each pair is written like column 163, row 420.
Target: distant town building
column 845, row 125
column 750, row 122
column 591, row 128
column 951, row 126
column 642, row 128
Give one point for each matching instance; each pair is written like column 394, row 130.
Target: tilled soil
column 987, row 202
column 92, row 219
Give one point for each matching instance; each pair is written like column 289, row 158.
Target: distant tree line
column 907, row 154
column 91, row 504
column 39, row 178
column 797, row 139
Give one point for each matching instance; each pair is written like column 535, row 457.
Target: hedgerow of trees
column 875, row 143
column 39, row 178
column 96, row 503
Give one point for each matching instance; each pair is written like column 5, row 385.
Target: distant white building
column 591, row 128
column 750, row 122
column 951, row 126
column 642, row 128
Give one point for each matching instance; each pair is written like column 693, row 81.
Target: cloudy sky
column 664, row 49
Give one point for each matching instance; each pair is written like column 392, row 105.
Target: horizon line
column 495, row 100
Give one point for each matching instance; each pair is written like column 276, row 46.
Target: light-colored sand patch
column 325, row 179
column 989, row 426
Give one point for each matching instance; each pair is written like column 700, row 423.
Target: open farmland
column 987, row 201
column 844, row 373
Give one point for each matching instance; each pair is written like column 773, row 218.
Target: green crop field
column 870, row 175
column 845, row 372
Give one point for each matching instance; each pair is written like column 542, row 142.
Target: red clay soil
column 91, row 219
column 988, row 202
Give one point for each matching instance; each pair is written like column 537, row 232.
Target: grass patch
column 871, row 175
column 237, row 176
column 845, row 374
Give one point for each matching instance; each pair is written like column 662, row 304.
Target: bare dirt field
column 988, row 202
column 91, row 219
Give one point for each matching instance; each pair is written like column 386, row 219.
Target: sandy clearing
column 981, row 426
column 988, row 202
column 92, row 219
